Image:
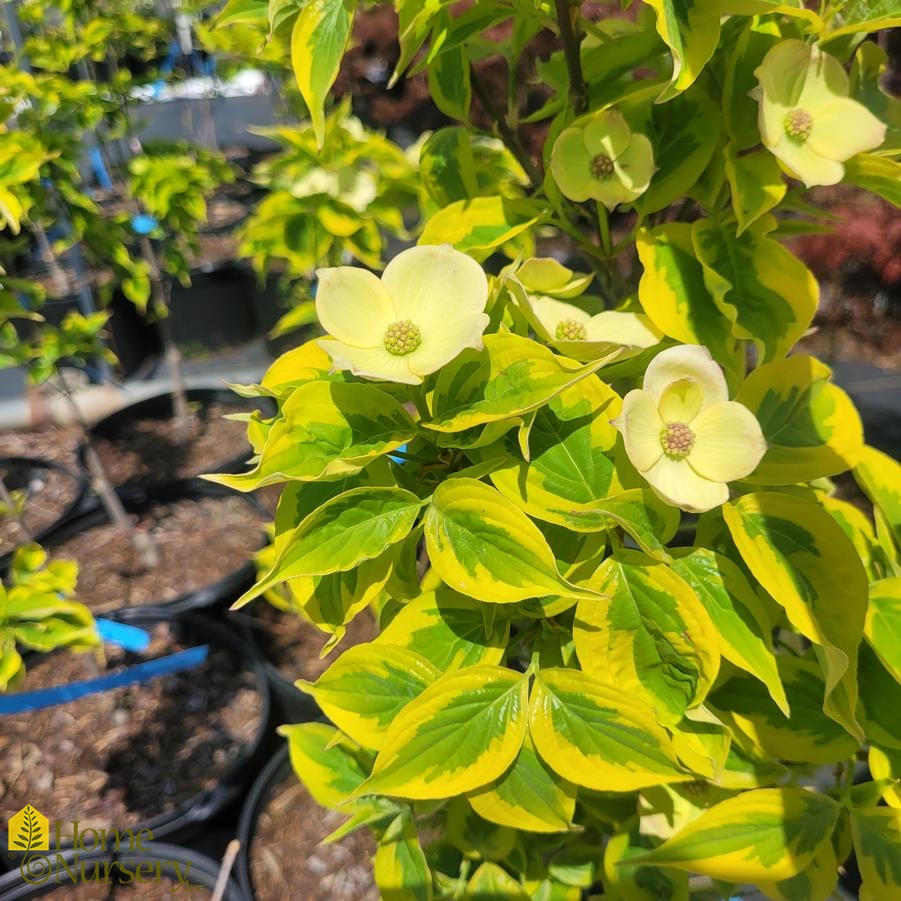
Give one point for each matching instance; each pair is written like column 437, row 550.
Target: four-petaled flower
column 567, row 322
column 599, row 158
column 806, row 119
column 684, row 435
column 428, row 305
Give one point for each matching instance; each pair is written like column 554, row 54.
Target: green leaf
column 480, row 225
column 767, row 293
column 318, row 41
column 449, row 83
column 595, row 735
column 767, row 834
column 808, row 735
column 816, row 882
column 877, row 174
column 354, row 526
column 672, row 291
column 367, row 686
column 880, row 478
column 449, row 630
column 625, row 882
column 684, row 133
column 653, row 637
column 400, row 867
column 880, row 699
column 327, row 430
column 491, row 883
column 756, row 182
column 877, row 841
column 570, row 445
column 325, row 761
column 854, row 16
column 641, row 514
column 510, row 377
column 883, row 623
column 691, row 29
column 529, row 796
column 480, row 544
column 740, row 616
column 423, row 755
column 811, row 426
column 242, row 12
column 800, row 555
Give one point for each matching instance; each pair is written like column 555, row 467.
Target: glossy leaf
column 367, row 686
column 756, row 183
column 597, row 736
column 811, row 426
column 883, row 623
column 767, row 293
column 480, row 544
column 652, row 635
column 740, row 617
column 511, row 376
column 767, row 834
column 328, row 430
column 400, row 868
column 800, row 555
column 877, row 842
column 529, row 796
column 880, row 478
column 423, row 755
column 318, row 39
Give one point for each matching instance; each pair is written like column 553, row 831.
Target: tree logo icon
column 29, row 830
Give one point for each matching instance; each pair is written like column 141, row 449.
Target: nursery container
column 209, row 723
column 138, row 500
column 173, row 862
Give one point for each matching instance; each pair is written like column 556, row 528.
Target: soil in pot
column 47, row 492
column 122, row 757
column 52, row 442
column 293, row 645
column 223, row 213
column 288, row 861
column 198, row 539
column 90, row 891
column 149, row 449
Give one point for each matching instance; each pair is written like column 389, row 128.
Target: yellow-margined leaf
column 318, row 39
column 461, row 733
column 767, row 293
column 756, row 183
column 740, row 616
column 400, row 868
column 597, row 735
column 800, row 555
column 367, row 686
column 880, row 478
column 811, row 426
column 883, row 623
column 816, row 882
column 877, row 841
column 328, row 763
column 449, row 630
column 490, row 883
column 529, row 796
column 482, row 545
column 767, row 834
column 653, row 637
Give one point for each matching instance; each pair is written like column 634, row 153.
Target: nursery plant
column 38, row 612
column 636, row 570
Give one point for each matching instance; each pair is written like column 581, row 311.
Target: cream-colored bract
column 567, row 322
column 806, row 119
column 684, row 435
column 599, row 158
column 428, row 306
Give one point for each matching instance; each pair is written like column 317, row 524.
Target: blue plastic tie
column 134, row 675
column 100, row 173
column 397, row 459
column 142, row 224
column 129, row 637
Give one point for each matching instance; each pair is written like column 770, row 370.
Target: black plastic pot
column 241, row 211
column 134, row 339
column 203, row 809
column 137, row 499
column 173, row 862
column 161, row 407
column 216, row 311
column 28, row 474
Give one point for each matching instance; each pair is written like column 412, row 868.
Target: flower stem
column 603, row 218
column 571, row 39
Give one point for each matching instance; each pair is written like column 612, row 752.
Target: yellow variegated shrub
column 633, row 629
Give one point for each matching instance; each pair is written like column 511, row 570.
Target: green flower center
column 602, row 166
column 677, row 439
column 570, row 330
column 798, row 123
column 402, row 338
